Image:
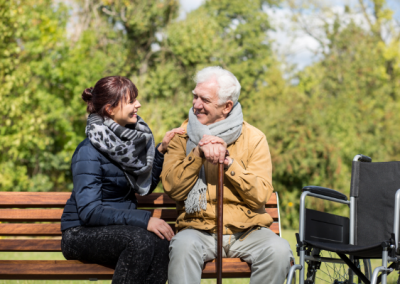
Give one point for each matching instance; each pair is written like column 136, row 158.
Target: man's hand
column 212, row 139
column 214, row 149
column 160, row 228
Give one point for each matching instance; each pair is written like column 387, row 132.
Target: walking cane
column 220, row 220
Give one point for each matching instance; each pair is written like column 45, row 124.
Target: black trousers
column 137, row 255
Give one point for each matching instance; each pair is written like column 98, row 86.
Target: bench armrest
column 325, row 191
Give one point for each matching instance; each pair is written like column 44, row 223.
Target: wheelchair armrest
column 325, row 191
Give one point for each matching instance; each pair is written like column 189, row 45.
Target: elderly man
column 189, row 176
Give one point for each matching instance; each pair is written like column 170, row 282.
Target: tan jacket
column 247, row 182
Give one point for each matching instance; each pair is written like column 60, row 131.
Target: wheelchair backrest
column 374, row 186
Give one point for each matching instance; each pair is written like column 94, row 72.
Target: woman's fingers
column 160, row 228
column 169, row 231
column 168, row 137
column 179, row 130
column 166, row 230
column 158, row 233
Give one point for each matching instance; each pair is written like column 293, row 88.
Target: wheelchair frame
column 384, row 269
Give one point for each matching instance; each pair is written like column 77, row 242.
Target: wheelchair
column 336, row 249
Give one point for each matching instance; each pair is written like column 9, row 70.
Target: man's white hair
column 229, row 86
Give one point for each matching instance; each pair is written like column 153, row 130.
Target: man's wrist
column 230, row 164
column 197, row 151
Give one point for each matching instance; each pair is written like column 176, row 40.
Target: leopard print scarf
column 131, row 147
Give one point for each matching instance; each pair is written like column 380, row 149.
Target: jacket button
column 190, row 158
column 232, row 173
column 248, row 211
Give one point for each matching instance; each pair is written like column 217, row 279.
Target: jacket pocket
column 249, row 214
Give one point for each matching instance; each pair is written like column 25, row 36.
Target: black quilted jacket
column 101, row 194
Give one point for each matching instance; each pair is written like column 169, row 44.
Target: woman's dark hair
column 109, row 90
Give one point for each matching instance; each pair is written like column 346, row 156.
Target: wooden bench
column 30, row 222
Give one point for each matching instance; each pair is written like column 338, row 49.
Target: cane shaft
column 220, row 221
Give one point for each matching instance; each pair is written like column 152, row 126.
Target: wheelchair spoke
column 337, row 273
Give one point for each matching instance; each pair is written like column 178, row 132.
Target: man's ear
column 227, row 108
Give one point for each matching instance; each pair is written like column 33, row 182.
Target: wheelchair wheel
column 334, row 273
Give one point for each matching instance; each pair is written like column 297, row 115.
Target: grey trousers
column 268, row 254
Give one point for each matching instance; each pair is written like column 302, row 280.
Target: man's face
column 205, row 103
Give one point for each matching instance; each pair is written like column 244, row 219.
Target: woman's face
column 125, row 112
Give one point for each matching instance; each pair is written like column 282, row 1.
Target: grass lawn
column 287, row 234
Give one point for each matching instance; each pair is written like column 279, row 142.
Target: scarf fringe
column 197, row 200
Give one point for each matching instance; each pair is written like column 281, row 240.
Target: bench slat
column 36, row 245
column 11, row 229
column 30, row 229
column 54, row 215
column 33, row 199
column 76, row 270
column 273, row 212
column 26, row 215
column 55, row 229
column 52, row 270
column 231, row 268
column 58, row 200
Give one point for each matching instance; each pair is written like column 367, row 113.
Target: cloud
column 290, row 41
column 188, row 6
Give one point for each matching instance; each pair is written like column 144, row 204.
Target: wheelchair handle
column 362, row 158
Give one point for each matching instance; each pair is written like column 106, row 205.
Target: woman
column 100, row 222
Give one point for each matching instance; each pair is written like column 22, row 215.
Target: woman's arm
column 87, row 178
column 157, row 168
column 161, row 149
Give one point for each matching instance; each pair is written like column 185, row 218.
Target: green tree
column 42, row 77
column 345, row 104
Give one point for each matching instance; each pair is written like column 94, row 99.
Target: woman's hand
column 160, row 228
column 168, row 137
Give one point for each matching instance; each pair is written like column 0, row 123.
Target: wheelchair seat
column 373, row 251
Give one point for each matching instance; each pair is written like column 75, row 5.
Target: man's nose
column 197, row 104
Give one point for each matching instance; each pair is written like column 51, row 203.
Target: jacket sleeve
column 180, row 172
column 87, row 177
column 253, row 183
column 157, row 168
